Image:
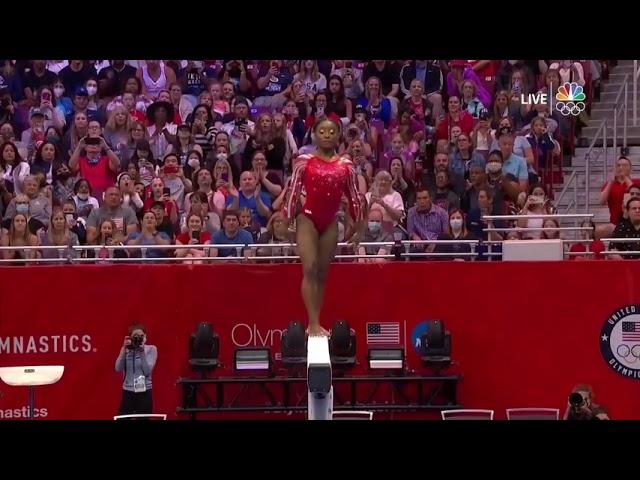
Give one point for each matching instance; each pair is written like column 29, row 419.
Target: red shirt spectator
column 456, row 116
column 596, row 248
column 95, row 166
column 612, row 192
column 184, row 238
column 616, row 197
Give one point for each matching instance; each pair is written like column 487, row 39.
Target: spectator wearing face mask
column 375, row 233
column 63, row 102
column 20, row 205
column 76, row 74
column 456, row 230
column 83, row 199
column 39, row 204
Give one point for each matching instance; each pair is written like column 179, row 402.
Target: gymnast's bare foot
column 316, row 330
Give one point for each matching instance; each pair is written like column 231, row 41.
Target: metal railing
column 404, row 250
column 571, row 182
column 636, row 73
column 587, row 161
column 620, row 106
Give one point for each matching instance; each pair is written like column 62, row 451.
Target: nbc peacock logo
column 570, row 99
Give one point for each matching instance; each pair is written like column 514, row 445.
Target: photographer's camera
column 136, row 342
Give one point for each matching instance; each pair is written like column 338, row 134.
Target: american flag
column 383, row 333
column 631, row 331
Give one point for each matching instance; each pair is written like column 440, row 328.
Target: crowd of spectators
column 151, row 153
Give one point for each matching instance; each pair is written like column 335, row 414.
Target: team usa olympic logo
column 620, row 341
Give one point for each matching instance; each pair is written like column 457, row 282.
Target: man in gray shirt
column 124, row 217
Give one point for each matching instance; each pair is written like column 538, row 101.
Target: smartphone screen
column 225, row 176
column 46, row 96
column 166, row 191
column 195, row 235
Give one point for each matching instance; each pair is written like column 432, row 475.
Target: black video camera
column 579, row 409
column 576, row 401
column 136, row 342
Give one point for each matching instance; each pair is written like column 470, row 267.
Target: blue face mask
column 374, row 227
column 22, row 208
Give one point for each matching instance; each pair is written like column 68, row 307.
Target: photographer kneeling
column 137, row 361
column 581, row 406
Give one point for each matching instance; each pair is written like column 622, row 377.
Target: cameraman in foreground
column 137, row 360
column 581, row 406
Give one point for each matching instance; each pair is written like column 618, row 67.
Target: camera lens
column 576, row 400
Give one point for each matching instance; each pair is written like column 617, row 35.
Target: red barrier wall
column 523, row 334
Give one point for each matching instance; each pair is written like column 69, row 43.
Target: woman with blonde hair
column 224, row 184
column 18, row 235
column 312, row 80
column 277, row 232
column 117, row 131
column 58, row 234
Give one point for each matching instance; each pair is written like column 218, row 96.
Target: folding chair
column 533, row 414
column 352, row 415
column 467, row 414
column 140, row 416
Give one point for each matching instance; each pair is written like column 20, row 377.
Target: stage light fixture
column 435, row 345
column 293, row 346
column 204, row 348
column 342, row 345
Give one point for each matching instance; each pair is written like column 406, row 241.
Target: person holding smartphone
column 96, row 166
column 161, row 193
column 136, row 360
column 196, row 235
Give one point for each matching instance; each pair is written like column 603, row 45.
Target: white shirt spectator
column 393, row 199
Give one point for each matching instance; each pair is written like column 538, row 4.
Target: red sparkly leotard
column 324, row 183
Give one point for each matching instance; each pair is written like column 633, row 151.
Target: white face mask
column 494, row 167
column 456, row 223
column 194, row 163
column 83, row 196
column 58, row 91
column 222, row 156
column 92, row 90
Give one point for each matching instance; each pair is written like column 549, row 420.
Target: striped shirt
column 427, row 224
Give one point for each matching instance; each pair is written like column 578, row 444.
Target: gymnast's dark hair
column 325, row 118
